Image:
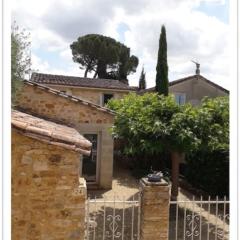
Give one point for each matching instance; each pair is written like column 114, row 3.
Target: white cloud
column 191, row 34
column 39, row 65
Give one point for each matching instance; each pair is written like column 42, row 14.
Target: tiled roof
column 70, row 97
column 50, row 132
column 80, row 82
column 172, row 83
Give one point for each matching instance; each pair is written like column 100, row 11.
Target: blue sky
column 196, row 30
column 220, row 11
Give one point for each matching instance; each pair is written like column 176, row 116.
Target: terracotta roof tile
column 50, row 132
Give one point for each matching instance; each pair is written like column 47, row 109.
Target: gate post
column 79, row 214
column 155, row 199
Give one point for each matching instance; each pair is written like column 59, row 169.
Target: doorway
column 90, row 163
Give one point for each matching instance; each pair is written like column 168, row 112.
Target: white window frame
column 180, row 95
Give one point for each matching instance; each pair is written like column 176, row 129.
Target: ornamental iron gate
column 199, row 219
column 115, row 218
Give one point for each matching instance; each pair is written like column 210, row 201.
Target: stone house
column 97, row 91
column 46, row 199
column 90, row 119
column 193, row 89
column 79, row 102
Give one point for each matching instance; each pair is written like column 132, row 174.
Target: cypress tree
column 162, row 66
column 142, row 80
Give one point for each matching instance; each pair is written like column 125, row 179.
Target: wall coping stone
column 144, row 181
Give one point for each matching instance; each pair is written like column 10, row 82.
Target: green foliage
column 213, row 124
column 104, row 56
column 142, row 80
column 162, row 65
column 153, row 123
column 209, row 171
column 20, row 58
column 211, row 158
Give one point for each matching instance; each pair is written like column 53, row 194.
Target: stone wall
column 155, row 200
column 48, row 201
column 83, row 118
column 92, row 95
column 59, row 108
column 196, row 90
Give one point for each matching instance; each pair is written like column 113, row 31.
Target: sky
column 196, row 30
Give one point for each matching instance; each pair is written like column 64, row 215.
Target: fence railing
column 199, row 219
column 115, row 218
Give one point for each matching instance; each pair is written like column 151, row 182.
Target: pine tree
column 142, row 80
column 162, row 66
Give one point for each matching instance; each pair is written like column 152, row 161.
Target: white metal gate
column 199, row 219
column 115, row 218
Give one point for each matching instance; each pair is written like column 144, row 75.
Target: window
column 106, row 98
column 180, row 98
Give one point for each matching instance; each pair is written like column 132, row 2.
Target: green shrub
column 208, row 165
column 209, row 171
column 153, row 126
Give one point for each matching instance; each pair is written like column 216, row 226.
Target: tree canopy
column 104, row 56
column 162, row 65
column 153, row 123
column 211, row 158
column 20, row 57
column 142, row 80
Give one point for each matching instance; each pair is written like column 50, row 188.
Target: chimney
column 197, row 68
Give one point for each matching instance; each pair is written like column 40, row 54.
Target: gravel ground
column 125, row 187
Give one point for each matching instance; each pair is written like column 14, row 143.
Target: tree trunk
column 175, row 157
column 85, row 73
column 101, row 69
column 95, row 74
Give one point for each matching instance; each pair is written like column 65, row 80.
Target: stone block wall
column 83, row 118
column 48, row 201
column 55, row 107
column 92, row 95
column 154, row 210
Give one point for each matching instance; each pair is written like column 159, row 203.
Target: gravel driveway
column 126, row 187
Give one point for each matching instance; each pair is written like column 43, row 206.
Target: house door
column 89, row 164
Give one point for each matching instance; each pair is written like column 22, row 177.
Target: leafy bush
column 152, row 126
column 208, row 165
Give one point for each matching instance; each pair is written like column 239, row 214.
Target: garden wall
column 48, row 200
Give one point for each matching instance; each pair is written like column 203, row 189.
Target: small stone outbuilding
column 47, row 202
column 90, row 119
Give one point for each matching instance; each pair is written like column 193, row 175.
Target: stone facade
column 93, row 95
column 154, row 210
column 48, row 200
column 84, row 118
column 196, row 89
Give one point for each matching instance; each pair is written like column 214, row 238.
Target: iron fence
column 199, row 219
column 115, row 218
